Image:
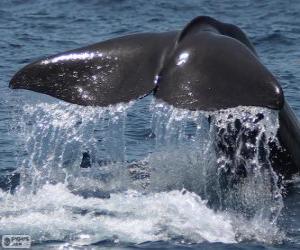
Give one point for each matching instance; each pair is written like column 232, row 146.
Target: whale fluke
column 208, row 65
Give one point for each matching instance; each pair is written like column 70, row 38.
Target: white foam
column 52, row 214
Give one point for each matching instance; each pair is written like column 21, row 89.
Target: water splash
column 142, row 156
column 56, row 135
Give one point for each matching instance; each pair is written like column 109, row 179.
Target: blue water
column 163, row 216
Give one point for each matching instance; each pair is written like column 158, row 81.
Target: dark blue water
column 159, row 217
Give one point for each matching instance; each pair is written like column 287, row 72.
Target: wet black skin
column 209, row 65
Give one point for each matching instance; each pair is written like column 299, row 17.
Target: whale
column 208, row 65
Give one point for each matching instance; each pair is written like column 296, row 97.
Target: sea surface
column 155, row 181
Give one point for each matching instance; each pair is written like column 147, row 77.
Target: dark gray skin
column 209, row 65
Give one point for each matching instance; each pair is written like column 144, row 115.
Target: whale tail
column 208, row 65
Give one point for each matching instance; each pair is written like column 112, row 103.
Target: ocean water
column 156, row 180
